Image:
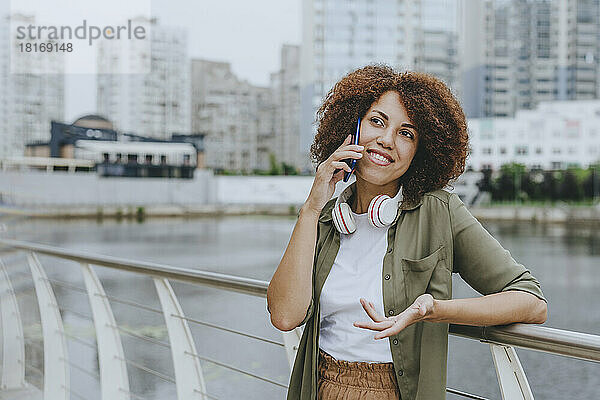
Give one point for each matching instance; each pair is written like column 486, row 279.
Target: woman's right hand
column 330, row 172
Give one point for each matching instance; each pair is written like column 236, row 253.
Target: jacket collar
column 402, row 206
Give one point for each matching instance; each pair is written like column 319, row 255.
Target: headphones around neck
column 382, row 211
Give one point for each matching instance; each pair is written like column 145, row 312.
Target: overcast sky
column 248, row 34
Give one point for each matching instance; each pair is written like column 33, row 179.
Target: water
column 566, row 260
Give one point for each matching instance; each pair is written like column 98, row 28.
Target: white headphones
column 382, row 211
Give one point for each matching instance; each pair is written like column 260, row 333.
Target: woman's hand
column 388, row 326
column 330, row 172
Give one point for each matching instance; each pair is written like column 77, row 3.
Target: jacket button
column 387, row 277
column 395, row 341
column 400, row 373
column 391, row 312
column 390, row 250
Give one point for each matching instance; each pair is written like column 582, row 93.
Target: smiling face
column 390, row 140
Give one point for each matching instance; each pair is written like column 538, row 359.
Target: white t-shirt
column 356, row 272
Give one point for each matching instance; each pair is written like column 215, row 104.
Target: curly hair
column 435, row 112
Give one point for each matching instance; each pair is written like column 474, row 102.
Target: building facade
column 518, row 53
column 555, row 135
column 285, row 86
column 236, row 117
column 28, row 101
column 154, row 104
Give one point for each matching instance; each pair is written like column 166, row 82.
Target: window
column 521, row 150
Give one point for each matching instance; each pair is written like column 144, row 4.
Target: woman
column 390, row 274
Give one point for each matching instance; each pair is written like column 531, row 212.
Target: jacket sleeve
column 309, row 312
column 481, row 261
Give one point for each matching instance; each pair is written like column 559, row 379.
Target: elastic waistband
column 357, row 374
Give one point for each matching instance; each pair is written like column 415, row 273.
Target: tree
column 275, row 168
column 289, row 169
column 569, row 187
column 508, row 184
column 533, row 185
column 550, row 185
column 485, row 183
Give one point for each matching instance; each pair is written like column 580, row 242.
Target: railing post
column 56, row 364
column 13, row 342
column 511, row 377
column 291, row 339
column 114, row 380
column 188, row 373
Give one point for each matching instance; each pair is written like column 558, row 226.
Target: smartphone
column 352, row 161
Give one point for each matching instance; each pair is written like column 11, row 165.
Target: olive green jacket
column 427, row 242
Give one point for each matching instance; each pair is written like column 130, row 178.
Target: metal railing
column 188, row 377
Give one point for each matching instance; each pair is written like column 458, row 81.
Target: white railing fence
column 114, row 377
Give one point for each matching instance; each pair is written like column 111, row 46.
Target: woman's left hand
column 388, row 326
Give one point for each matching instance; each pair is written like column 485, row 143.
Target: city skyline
column 249, row 36
column 250, row 62
column 277, row 117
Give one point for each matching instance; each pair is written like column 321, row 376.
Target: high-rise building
column 154, row 104
column 236, row 117
column 29, row 101
column 517, row 53
column 285, row 87
column 340, row 35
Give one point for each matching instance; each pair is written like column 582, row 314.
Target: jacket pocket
column 418, row 273
column 426, row 263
